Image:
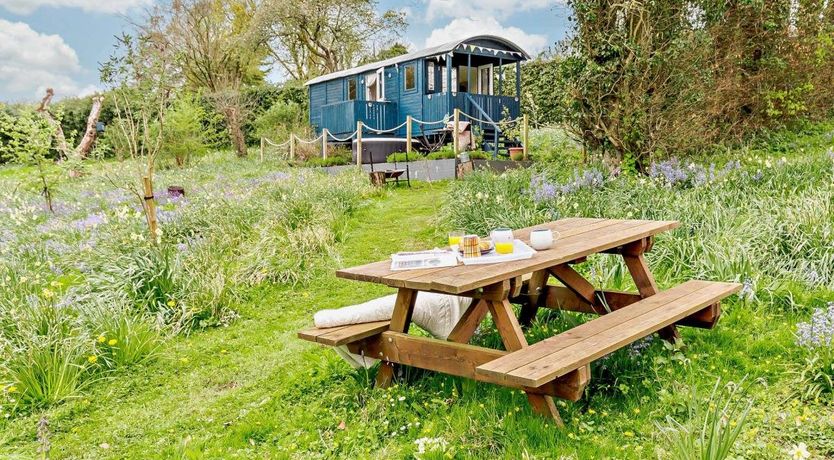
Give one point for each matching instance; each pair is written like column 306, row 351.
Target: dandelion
column 628, row 434
column 172, row 303
column 112, row 342
column 92, row 359
column 101, row 339
column 12, row 389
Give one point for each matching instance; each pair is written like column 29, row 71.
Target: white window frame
column 431, row 75
column 491, row 80
column 380, row 87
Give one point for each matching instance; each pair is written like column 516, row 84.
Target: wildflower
column 92, row 359
column 172, row 303
column 628, row 434
column 636, row 410
column 591, row 412
column 112, row 342
column 799, row 452
column 12, row 389
column 101, row 339
column 47, row 294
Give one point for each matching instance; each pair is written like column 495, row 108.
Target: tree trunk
column 60, row 140
column 89, row 138
column 235, row 131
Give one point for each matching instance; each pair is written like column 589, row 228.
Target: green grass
column 251, row 389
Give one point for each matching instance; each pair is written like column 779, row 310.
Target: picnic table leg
column 400, row 320
column 469, row 322
column 647, row 287
column 513, row 338
column 534, row 289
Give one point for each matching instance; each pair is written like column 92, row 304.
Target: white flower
column 799, row 452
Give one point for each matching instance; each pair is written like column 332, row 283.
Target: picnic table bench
column 558, row 366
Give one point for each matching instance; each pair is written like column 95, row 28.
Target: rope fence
column 361, row 127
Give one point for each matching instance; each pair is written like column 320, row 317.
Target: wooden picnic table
column 556, row 366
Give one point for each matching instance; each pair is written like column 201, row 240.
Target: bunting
column 495, row 52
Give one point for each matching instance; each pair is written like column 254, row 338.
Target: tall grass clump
column 711, row 427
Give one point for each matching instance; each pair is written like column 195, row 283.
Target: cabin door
column 375, row 86
column 485, row 80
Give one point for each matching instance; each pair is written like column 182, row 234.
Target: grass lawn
column 251, row 389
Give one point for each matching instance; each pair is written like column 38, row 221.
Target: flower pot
column 516, row 153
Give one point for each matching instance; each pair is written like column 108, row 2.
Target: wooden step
column 551, row 358
column 342, row 335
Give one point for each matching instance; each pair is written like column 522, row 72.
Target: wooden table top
column 580, row 237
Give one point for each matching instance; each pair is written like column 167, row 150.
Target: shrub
column 189, row 130
column 816, row 339
column 126, row 339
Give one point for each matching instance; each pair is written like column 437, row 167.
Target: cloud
column 484, row 8
column 461, row 28
column 92, row 6
column 30, row 62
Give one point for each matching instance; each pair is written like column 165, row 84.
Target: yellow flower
column 101, row 339
column 636, row 410
column 92, row 359
column 12, row 389
column 112, row 342
column 591, row 412
column 629, row 434
column 183, row 360
column 172, row 303
column 47, row 294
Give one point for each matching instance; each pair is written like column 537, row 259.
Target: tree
column 308, row 38
column 397, row 49
column 218, row 54
column 26, row 139
column 142, row 78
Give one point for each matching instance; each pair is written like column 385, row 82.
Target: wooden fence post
column 407, row 137
column 262, row 149
column 359, row 142
column 524, row 136
column 324, row 136
column 292, row 146
column 456, row 134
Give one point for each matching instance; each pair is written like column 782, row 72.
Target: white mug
column 542, row 238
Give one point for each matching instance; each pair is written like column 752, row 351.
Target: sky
column 60, row 43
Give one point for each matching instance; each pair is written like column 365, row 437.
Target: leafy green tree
column 26, row 139
column 190, row 129
column 307, row 38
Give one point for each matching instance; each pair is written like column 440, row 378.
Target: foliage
column 542, row 92
column 308, row 38
column 710, row 432
column 26, row 141
column 282, row 119
column 654, row 79
column 336, row 156
column 816, row 338
column 190, row 131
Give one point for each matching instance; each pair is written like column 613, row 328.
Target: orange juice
column 504, row 248
column 454, row 240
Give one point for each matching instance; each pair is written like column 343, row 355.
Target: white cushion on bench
column 436, row 313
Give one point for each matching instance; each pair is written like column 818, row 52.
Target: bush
column 189, row 130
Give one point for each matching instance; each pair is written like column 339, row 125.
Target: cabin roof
column 511, row 48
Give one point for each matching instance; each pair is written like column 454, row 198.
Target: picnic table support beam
column 647, row 287
column 400, row 320
column 469, row 322
column 513, row 338
column 534, row 290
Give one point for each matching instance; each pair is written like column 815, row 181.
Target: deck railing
column 341, row 117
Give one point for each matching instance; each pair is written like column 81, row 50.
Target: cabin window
column 443, row 86
column 431, row 77
column 351, row 89
column 410, row 77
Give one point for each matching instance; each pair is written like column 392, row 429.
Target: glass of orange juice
column 454, row 238
column 503, row 240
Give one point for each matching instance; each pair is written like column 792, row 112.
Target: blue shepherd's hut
column 479, row 75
